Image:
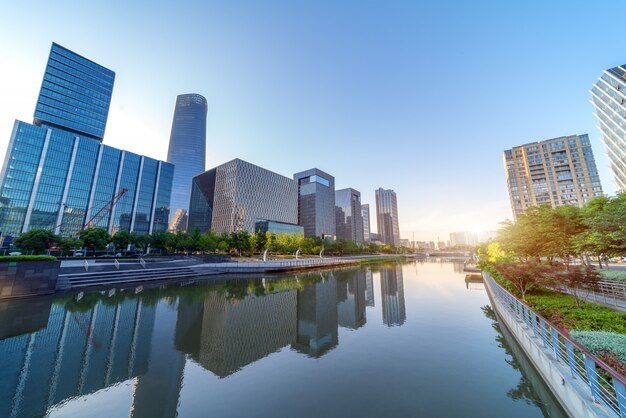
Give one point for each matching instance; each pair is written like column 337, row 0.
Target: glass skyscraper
column 187, row 151
column 608, row 96
column 75, row 94
column 235, row 195
column 58, row 175
column 387, row 217
column 348, row 216
column 316, row 203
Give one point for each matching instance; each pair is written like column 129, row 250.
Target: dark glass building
column 187, row 151
column 59, row 178
column 316, row 203
column 278, row 228
column 348, row 216
column 235, row 195
column 75, row 94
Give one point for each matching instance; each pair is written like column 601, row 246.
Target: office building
column 278, row 228
column 235, row 195
column 459, row 239
column 75, row 94
column 348, row 218
column 555, row 172
column 365, row 214
column 187, row 151
column 58, row 175
column 387, row 217
column 316, row 203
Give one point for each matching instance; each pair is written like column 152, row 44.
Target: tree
column 121, row 240
column 140, row 241
column 69, row 244
column 578, row 281
column 523, row 275
column 240, row 241
column 162, row 240
column 35, row 240
column 95, row 238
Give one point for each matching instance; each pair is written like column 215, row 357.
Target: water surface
column 410, row 339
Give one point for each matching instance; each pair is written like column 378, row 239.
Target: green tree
column 95, row 238
column 69, row 244
column 240, row 241
column 35, row 240
column 140, row 241
column 162, row 240
column 121, row 240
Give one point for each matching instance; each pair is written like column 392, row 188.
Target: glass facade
column 316, row 203
column 75, row 94
column 58, row 175
column 55, row 180
column 348, row 217
column 278, row 228
column 609, row 98
column 365, row 213
column 387, row 217
column 187, row 151
column 235, row 195
column 555, row 172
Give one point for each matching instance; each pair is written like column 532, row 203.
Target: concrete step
column 132, row 276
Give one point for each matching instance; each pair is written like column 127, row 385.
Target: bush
column 15, row 258
column 599, row 342
column 613, row 275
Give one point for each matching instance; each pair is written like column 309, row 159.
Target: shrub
column 15, row 258
column 599, row 342
column 613, row 275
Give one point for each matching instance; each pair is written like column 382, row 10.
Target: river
column 410, row 339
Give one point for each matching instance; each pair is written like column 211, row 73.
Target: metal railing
column 612, row 292
column 606, row 386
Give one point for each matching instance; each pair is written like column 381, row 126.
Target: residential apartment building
column 555, row 172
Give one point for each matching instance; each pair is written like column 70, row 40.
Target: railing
column 606, row 386
column 611, row 292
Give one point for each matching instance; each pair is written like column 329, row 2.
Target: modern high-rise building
column 75, row 94
column 387, row 217
column 555, row 172
column 57, row 174
column 187, row 151
column 609, row 98
column 235, row 195
column 365, row 214
column 316, row 203
column 348, row 218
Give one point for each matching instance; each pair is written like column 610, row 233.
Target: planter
column 28, row 278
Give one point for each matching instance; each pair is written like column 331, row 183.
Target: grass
column 17, row 258
column 381, row 259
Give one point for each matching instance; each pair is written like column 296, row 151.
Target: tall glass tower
column 187, row 151
column 387, row 216
column 75, row 94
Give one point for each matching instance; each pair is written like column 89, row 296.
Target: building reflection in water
column 86, row 346
column 76, row 354
column 392, row 294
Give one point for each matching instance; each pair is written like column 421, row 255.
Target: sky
column 420, row 97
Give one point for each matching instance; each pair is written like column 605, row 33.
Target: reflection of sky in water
column 392, row 340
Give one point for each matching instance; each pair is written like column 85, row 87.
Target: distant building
column 458, row 239
column 235, row 195
column 187, row 151
column 57, row 174
column 608, row 97
column 387, row 217
column 316, row 203
column 555, row 172
column 274, row 227
column 348, row 216
column 405, row 243
column 365, row 213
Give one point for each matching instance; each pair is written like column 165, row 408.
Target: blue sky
column 419, row 97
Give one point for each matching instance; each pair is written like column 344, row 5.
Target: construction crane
column 99, row 215
column 104, row 211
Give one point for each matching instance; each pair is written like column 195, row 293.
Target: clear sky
column 419, row 97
